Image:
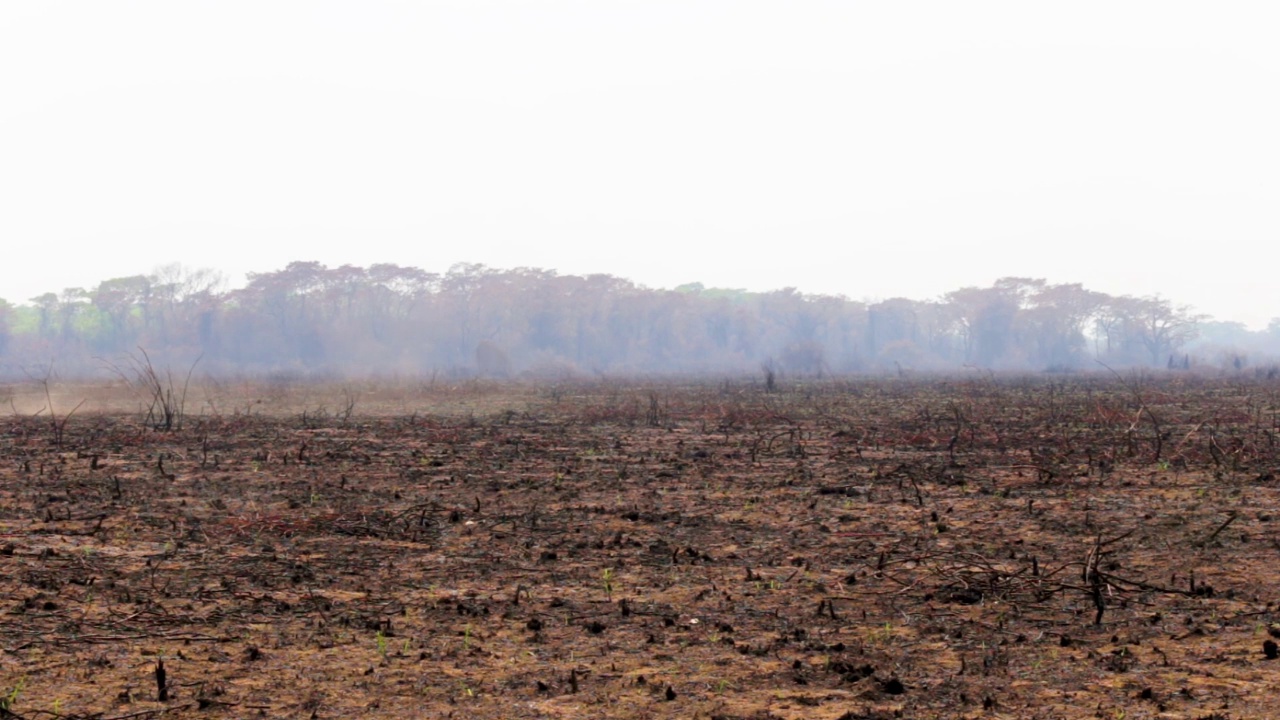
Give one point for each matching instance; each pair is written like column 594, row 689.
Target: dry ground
column 1095, row 547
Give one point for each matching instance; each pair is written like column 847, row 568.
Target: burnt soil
column 1090, row 547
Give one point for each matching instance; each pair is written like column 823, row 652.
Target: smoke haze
column 309, row 319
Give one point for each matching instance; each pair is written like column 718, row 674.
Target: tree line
column 475, row 320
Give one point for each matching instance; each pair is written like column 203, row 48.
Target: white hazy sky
column 870, row 149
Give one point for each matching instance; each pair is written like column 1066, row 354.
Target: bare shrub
column 165, row 401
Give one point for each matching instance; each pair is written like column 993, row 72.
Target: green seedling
column 381, row 640
column 11, row 698
column 882, row 635
column 608, row 583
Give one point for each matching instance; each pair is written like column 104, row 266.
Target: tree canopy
column 473, row 319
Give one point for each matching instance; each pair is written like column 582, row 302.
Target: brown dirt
column 869, row 549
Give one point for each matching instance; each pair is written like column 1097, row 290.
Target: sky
column 866, row 149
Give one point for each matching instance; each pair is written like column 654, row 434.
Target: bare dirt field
column 1089, row 547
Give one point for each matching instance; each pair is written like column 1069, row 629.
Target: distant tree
column 462, row 317
column 842, row 332
column 1111, row 322
column 987, row 317
column 121, row 303
column 795, row 327
column 71, row 304
column 46, row 306
column 1054, row 321
column 175, row 301
column 940, row 333
column 892, row 322
column 1162, row 327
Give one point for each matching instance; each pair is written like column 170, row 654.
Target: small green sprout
column 7, row 701
column 608, row 583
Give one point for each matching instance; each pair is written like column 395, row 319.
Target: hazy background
column 871, row 150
